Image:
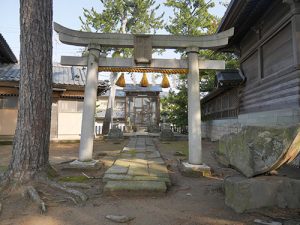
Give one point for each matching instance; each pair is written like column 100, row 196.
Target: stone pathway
column 138, row 169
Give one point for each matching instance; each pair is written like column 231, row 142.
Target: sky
column 66, row 13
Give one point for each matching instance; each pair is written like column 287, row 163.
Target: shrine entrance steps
column 139, row 169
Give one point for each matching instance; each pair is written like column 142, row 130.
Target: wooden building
column 67, row 99
column 135, row 106
column 267, row 42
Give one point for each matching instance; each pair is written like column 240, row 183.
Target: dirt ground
column 189, row 201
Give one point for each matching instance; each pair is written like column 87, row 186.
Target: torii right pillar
column 195, row 164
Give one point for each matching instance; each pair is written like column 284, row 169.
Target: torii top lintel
column 80, row 38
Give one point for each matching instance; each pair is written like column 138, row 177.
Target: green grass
column 77, row 179
column 131, row 152
column 3, row 169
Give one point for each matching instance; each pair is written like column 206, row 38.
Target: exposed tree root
column 61, row 187
column 30, row 185
column 72, row 199
column 76, row 185
column 34, row 195
column 89, row 177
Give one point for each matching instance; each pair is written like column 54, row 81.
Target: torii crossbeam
column 142, row 61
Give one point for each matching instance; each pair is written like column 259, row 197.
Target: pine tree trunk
column 108, row 118
column 31, row 143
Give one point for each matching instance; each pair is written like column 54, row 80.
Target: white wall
column 8, row 121
column 69, row 126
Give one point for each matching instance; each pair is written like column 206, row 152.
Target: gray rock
column 119, row 218
column 259, row 221
column 243, row 194
column 166, row 135
column 115, row 133
column 153, row 129
column 257, row 150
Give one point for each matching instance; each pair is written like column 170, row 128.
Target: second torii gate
column 142, row 62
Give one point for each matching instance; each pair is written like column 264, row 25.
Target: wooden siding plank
column 281, row 102
column 280, row 78
column 250, row 67
column 271, row 90
column 279, row 49
column 288, row 104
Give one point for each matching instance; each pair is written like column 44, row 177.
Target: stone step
column 135, row 187
column 122, row 177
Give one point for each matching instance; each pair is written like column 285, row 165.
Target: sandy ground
column 190, row 201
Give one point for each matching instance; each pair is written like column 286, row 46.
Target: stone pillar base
column 88, row 165
column 193, row 170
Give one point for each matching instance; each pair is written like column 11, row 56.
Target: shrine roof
column 6, row 54
column 242, row 15
column 62, row 75
column 119, row 93
column 138, row 88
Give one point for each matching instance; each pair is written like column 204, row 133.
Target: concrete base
column 88, row 165
column 193, row 170
column 244, row 194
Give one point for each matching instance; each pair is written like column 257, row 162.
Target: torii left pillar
column 89, row 107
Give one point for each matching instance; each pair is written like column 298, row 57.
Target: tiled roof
column 138, row 88
column 119, row 93
column 6, row 54
column 62, row 75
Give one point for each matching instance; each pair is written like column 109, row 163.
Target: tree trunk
column 30, row 152
column 108, row 118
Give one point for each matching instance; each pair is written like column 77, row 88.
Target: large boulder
column 242, row 194
column 257, row 150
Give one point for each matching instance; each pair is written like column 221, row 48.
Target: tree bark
column 108, row 118
column 30, row 152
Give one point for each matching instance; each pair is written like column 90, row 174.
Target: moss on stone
column 131, row 152
column 51, row 172
column 256, row 150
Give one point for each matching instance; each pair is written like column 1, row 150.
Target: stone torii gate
column 142, row 62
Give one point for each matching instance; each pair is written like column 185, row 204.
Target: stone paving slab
column 108, row 161
column 122, row 162
column 122, row 177
column 158, row 170
column 153, row 178
column 156, row 161
column 115, row 169
column 138, row 168
column 137, row 162
column 135, row 187
column 154, row 154
column 108, row 177
column 140, row 156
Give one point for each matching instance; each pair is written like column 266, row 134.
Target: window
column 70, row 106
column 8, row 102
